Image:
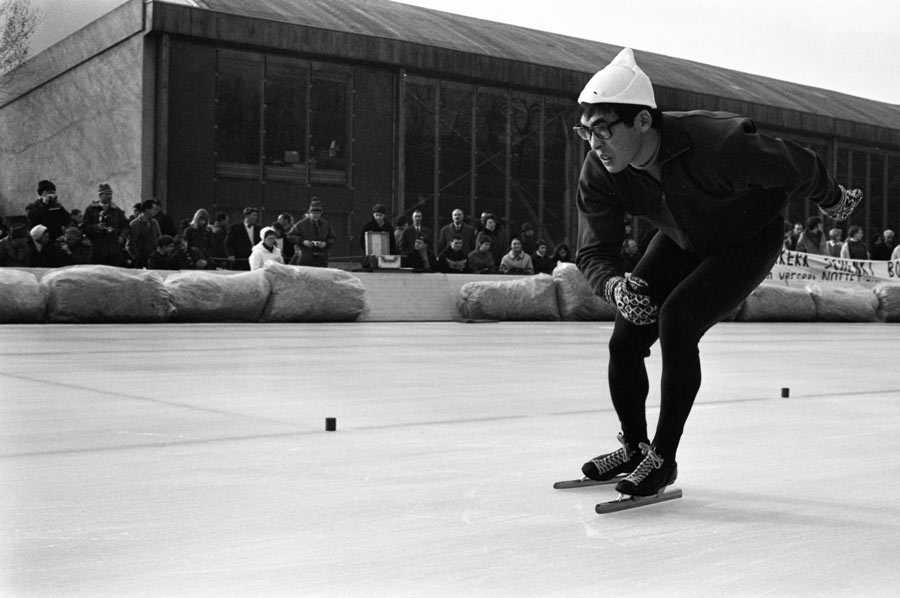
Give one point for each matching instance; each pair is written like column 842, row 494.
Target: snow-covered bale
column 778, row 303
column 575, row 298
column 888, row 295
column 22, row 299
column 304, row 294
column 836, row 303
column 104, row 294
column 526, row 298
column 203, row 296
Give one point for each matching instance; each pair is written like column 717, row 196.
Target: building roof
column 470, row 36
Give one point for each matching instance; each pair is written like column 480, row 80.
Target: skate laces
column 651, row 461
column 606, row 462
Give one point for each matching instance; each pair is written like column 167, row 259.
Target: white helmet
column 620, row 82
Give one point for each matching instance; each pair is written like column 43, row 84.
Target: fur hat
column 104, row 188
column 621, row 82
column 315, row 206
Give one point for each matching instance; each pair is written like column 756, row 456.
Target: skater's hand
column 631, row 297
column 840, row 211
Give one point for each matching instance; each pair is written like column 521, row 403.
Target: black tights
column 694, row 292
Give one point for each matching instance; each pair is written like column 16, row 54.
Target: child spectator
column 15, row 250
column 164, row 258
column 453, row 260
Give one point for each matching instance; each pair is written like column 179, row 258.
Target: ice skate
column 646, row 484
column 652, row 475
column 605, row 469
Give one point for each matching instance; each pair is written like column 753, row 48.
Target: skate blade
column 585, row 483
column 631, row 502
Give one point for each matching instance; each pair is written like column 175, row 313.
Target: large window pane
column 238, row 90
column 893, row 192
column 285, row 115
column 560, row 171
column 456, row 151
column 419, row 117
column 490, row 154
column 524, row 162
column 328, row 124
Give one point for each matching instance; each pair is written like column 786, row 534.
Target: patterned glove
column 631, row 298
column 840, row 211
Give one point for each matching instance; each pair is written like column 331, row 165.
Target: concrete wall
column 75, row 115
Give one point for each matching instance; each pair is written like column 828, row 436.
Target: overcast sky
column 844, row 45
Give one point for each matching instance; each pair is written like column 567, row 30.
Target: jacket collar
column 675, row 138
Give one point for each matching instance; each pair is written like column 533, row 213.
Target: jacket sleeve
column 752, row 159
column 601, row 228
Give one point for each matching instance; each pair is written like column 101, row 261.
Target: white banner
column 799, row 269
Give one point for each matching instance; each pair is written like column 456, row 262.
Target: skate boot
column 652, row 475
column 608, row 466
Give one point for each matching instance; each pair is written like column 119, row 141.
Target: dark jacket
column 54, row 217
column 722, row 183
column 447, row 233
column 307, row 230
column 107, row 227
column 239, row 245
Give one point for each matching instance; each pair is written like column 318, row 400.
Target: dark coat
column 722, row 182
column 239, row 245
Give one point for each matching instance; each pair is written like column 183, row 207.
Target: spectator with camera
column 46, row 210
column 313, row 236
column 107, row 227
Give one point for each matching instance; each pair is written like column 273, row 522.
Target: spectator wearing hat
column 46, row 210
column 143, row 235
column 379, row 224
column 15, row 248
column 74, row 244
column 44, row 251
column 241, row 238
column 106, row 225
column 266, row 250
column 421, row 258
column 165, row 257
column 457, row 227
column 313, row 236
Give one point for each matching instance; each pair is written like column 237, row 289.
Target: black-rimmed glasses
column 601, row 130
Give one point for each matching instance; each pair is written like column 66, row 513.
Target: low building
column 223, row 104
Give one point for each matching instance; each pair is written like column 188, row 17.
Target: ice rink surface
column 192, row 460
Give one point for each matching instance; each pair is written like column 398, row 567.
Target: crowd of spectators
column 103, row 233
column 460, row 247
column 811, row 238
